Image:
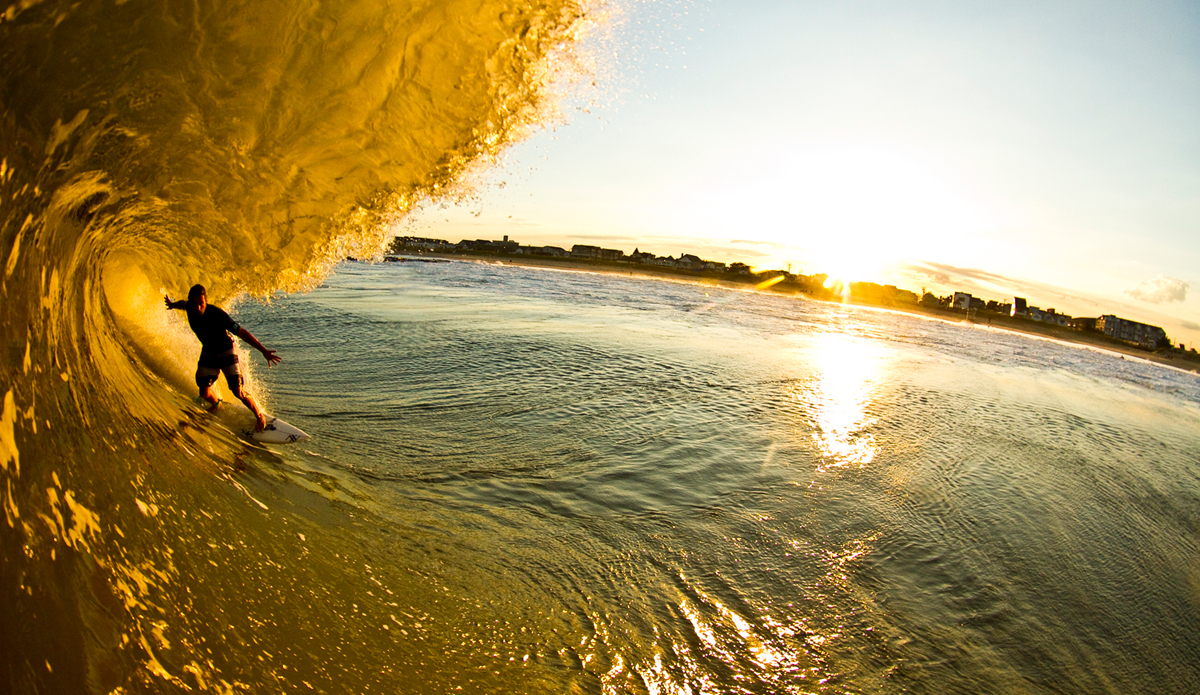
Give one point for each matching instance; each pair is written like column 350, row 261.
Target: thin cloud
column 945, row 273
column 992, row 285
column 747, row 242
column 973, row 279
column 604, row 238
column 1159, row 290
column 1190, row 325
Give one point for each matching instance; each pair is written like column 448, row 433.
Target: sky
column 1044, row 150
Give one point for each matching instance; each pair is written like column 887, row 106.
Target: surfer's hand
column 272, row 358
column 167, row 301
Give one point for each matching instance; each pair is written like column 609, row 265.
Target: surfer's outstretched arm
column 272, row 358
column 181, row 304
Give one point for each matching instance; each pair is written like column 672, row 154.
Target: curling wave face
column 149, row 145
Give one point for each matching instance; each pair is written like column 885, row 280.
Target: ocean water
column 614, row 484
column 520, row 480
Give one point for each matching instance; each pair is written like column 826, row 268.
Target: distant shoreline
column 729, row 281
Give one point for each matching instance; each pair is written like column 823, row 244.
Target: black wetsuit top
column 213, row 328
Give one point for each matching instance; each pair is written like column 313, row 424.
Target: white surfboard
column 280, row 432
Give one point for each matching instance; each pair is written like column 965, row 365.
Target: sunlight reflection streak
column 848, row 372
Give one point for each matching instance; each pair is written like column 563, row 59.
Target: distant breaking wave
column 146, row 146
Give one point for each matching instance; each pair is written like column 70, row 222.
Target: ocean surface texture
column 526, row 480
column 520, row 480
column 565, row 482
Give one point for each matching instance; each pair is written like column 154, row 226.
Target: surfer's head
column 198, row 298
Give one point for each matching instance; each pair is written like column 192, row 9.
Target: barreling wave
column 148, row 145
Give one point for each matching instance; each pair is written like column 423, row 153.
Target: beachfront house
column 552, row 251
column 961, row 300
column 1019, row 307
column 1140, row 334
column 504, row 246
column 1049, row 316
column 584, row 251
column 1057, row 318
column 413, row 243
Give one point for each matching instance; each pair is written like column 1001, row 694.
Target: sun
column 849, row 267
column 844, row 208
column 840, row 265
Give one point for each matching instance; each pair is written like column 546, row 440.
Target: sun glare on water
column 838, row 402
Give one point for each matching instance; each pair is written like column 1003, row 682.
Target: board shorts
column 211, row 367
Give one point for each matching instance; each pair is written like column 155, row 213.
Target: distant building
column 641, row 257
column 1141, row 334
column 554, row 251
column 596, row 253
column 961, row 300
column 419, row 244
column 1050, row 316
column 582, row 251
column 1084, row 324
column 1019, row 307
column 505, row 246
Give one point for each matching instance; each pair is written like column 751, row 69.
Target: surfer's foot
column 261, row 424
column 212, row 407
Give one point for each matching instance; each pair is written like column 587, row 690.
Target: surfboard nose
column 279, row 431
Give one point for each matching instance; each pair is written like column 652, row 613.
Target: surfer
column 212, row 326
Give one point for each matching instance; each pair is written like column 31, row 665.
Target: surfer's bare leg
column 206, row 379
column 259, row 416
column 236, row 383
column 210, row 394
